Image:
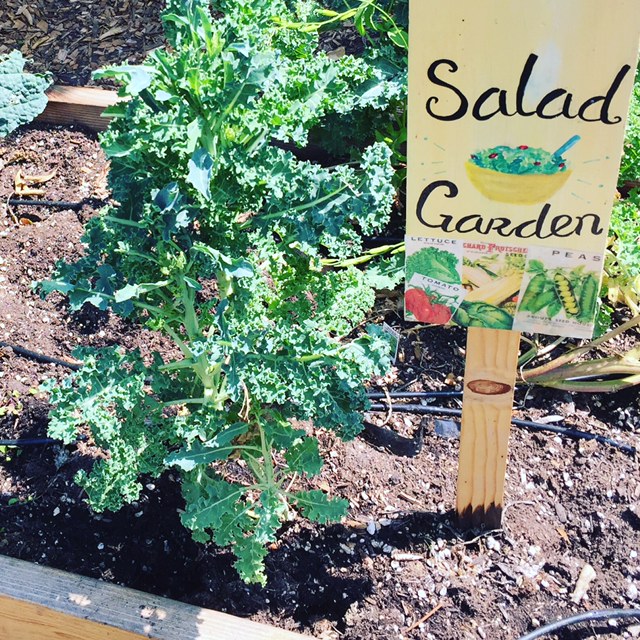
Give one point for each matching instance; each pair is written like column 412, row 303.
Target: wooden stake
column 490, row 375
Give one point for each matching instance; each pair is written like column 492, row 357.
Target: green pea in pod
column 566, row 294
column 547, row 297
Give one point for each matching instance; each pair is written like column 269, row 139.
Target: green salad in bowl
column 521, row 174
column 520, row 160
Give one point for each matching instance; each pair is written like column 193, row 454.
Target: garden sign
column 517, row 114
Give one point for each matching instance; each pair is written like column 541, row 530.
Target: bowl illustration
column 515, row 188
column 519, row 175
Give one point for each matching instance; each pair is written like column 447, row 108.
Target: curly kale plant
column 22, row 95
column 382, row 24
column 630, row 163
column 217, row 241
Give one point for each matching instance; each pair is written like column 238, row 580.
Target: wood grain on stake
column 47, row 604
column 490, row 375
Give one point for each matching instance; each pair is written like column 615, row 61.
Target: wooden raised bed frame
column 38, row 603
column 78, row 105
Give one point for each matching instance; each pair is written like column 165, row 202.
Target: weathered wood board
column 46, row 604
column 78, row 105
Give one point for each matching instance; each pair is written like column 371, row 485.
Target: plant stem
column 546, row 371
column 365, row 257
column 182, row 345
column 300, row 207
column 594, row 386
column 187, row 363
column 534, row 352
column 314, row 357
column 123, row 221
column 266, row 455
column 257, row 469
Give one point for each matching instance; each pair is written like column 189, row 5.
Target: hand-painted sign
column 517, row 114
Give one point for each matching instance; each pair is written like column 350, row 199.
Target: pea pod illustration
column 534, row 290
column 539, row 294
column 566, row 294
column 546, row 298
column 588, row 298
column 551, row 291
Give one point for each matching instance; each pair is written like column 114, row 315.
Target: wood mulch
column 73, row 38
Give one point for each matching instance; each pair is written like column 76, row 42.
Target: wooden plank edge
column 78, row 105
column 85, row 96
column 21, row 620
column 48, row 604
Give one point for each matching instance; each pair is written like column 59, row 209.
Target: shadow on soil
column 316, row 572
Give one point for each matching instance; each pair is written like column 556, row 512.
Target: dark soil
column 397, row 557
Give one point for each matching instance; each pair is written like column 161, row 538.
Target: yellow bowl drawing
column 513, row 187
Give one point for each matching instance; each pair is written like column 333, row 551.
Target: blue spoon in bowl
column 566, row 146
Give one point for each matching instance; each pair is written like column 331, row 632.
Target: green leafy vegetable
column 217, row 242
column 481, row 314
column 630, row 165
column 435, row 263
column 22, row 95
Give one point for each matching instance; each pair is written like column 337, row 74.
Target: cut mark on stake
column 489, row 387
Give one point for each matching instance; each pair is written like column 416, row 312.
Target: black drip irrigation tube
column 589, row 616
column 57, row 204
column 420, row 409
column 34, row 355
column 375, row 395
column 568, row 432
column 54, row 204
